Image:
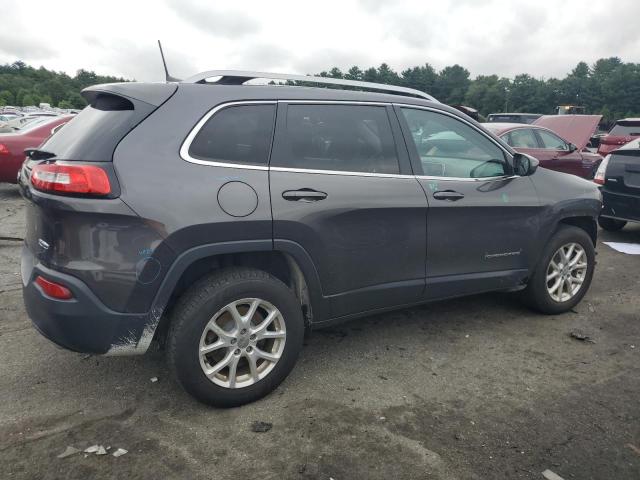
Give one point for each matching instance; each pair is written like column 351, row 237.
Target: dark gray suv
column 223, row 219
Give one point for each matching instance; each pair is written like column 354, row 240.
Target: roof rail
column 238, row 77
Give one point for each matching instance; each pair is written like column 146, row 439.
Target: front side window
column 450, row 148
column 521, row 138
column 237, row 134
column 347, row 138
column 551, row 141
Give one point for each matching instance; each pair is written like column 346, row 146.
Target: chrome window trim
column 465, row 179
column 341, row 172
column 186, row 144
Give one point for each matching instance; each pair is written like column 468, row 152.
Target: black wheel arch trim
column 293, row 249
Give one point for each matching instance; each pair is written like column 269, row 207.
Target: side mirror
column 572, row 147
column 524, row 165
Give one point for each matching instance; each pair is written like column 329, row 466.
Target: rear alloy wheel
column 611, row 224
column 242, row 343
column 564, row 272
column 234, row 336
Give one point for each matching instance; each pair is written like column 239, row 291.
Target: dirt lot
column 477, row 388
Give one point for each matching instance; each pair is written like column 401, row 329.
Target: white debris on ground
column 119, row 452
column 549, row 475
column 628, row 248
column 154, row 379
column 95, row 449
column 68, row 452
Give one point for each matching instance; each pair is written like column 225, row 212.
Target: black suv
column 222, row 219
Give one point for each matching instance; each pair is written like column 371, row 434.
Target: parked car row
column 542, row 139
column 622, row 132
column 28, row 134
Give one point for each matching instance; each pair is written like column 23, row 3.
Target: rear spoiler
column 154, row 94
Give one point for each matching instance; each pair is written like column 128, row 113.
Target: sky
column 545, row 38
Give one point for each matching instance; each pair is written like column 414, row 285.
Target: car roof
column 514, row 113
column 150, row 93
column 502, row 127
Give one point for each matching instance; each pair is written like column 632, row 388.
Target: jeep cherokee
column 223, row 219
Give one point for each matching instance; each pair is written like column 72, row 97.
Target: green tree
column 488, row 94
column 29, row 100
column 354, row 73
column 421, row 78
column 76, row 100
column 387, row 76
column 6, row 98
column 452, row 85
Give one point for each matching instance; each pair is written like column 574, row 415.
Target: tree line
column 22, row 85
column 609, row 87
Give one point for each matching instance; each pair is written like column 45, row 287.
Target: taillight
column 4, row 150
column 53, row 290
column 65, row 178
column 602, row 170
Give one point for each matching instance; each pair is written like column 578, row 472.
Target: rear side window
column 347, row 138
column 239, row 134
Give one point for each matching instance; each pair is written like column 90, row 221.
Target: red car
column 12, row 145
column 557, row 141
column 623, row 132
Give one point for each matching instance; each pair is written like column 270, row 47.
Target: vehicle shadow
column 9, row 191
column 629, row 234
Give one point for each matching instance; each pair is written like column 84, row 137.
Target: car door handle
column 450, row 195
column 303, row 195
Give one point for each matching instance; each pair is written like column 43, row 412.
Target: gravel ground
column 477, row 388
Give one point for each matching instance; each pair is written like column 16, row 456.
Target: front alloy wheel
column 242, row 343
column 566, row 272
column 563, row 273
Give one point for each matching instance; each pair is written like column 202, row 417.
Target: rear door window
column 238, row 134
column 349, row 138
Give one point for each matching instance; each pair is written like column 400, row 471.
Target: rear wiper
column 35, row 154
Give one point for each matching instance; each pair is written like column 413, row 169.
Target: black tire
column 611, row 224
column 200, row 303
column 536, row 295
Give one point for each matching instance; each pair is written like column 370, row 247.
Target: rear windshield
column 626, row 129
column 96, row 131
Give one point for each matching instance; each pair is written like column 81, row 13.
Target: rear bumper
column 82, row 324
column 620, row 206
